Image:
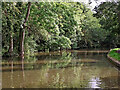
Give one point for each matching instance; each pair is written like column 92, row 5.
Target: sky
column 93, row 4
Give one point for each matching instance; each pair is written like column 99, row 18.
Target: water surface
column 66, row 69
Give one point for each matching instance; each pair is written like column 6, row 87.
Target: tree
column 107, row 12
column 9, row 24
column 57, row 26
column 52, row 24
column 22, row 31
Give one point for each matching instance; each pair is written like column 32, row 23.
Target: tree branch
column 28, row 12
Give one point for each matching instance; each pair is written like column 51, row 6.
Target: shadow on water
column 71, row 69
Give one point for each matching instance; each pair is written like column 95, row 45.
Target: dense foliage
column 109, row 13
column 58, row 25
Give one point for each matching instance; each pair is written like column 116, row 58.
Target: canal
column 65, row 69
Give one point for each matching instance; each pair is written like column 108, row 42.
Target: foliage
column 93, row 34
column 107, row 13
column 11, row 23
column 113, row 53
column 59, row 25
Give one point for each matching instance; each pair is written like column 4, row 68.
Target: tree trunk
column 22, row 32
column 22, row 42
column 11, row 45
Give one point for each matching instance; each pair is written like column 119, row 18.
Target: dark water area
column 65, row 69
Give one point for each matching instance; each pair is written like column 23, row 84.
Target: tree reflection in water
column 60, row 70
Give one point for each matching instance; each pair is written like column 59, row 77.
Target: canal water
column 65, row 69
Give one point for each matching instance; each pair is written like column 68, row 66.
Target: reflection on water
column 94, row 82
column 71, row 69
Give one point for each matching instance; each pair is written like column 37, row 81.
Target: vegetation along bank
column 114, row 56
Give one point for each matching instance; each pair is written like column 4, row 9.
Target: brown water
column 66, row 69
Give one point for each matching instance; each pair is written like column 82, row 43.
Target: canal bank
column 114, row 57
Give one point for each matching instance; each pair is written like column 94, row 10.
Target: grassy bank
column 115, row 54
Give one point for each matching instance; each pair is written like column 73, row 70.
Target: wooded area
column 47, row 26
